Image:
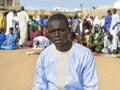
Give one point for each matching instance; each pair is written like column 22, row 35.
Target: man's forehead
column 56, row 22
column 52, row 21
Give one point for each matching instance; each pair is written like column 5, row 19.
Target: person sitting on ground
column 11, row 41
column 2, row 36
column 41, row 42
column 33, row 34
column 64, row 65
column 34, row 24
column 109, row 44
column 96, row 39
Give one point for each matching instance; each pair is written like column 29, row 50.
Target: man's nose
column 57, row 33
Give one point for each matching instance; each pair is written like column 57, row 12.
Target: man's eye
column 62, row 30
column 52, row 31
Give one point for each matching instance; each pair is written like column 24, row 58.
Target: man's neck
column 66, row 47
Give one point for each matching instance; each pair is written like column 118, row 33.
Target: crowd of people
column 66, row 36
column 100, row 34
column 18, row 30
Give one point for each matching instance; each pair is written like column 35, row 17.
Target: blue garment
column 41, row 22
column 2, row 38
column 107, row 24
column 80, row 70
column 45, row 22
column 11, row 42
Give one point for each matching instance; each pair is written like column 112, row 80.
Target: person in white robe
column 23, row 26
column 110, row 44
column 41, row 42
column 64, row 65
column 15, row 22
column 9, row 21
column 115, row 19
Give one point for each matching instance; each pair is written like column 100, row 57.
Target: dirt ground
column 17, row 70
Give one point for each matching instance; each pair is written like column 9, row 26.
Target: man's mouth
column 58, row 41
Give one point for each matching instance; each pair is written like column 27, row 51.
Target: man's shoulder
column 81, row 52
column 80, row 48
column 48, row 49
column 21, row 12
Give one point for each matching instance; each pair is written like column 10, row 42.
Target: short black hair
column 58, row 16
column 22, row 8
column 14, row 11
column 108, row 11
column 115, row 9
column 11, row 28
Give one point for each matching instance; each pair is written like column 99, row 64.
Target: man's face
column 96, row 29
column 110, row 12
column 114, row 11
column 11, row 31
column 58, row 32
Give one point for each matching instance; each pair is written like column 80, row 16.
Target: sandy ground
column 17, row 70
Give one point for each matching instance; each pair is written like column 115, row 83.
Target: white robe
column 23, row 27
column 112, row 46
column 9, row 20
column 43, row 42
column 115, row 19
column 96, row 21
column 78, row 71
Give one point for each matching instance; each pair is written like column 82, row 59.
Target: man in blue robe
column 11, row 41
column 64, row 65
column 108, row 20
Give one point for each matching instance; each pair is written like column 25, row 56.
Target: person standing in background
column 115, row 19
column 9, row 21
column 23, row 26
column 108, row 20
